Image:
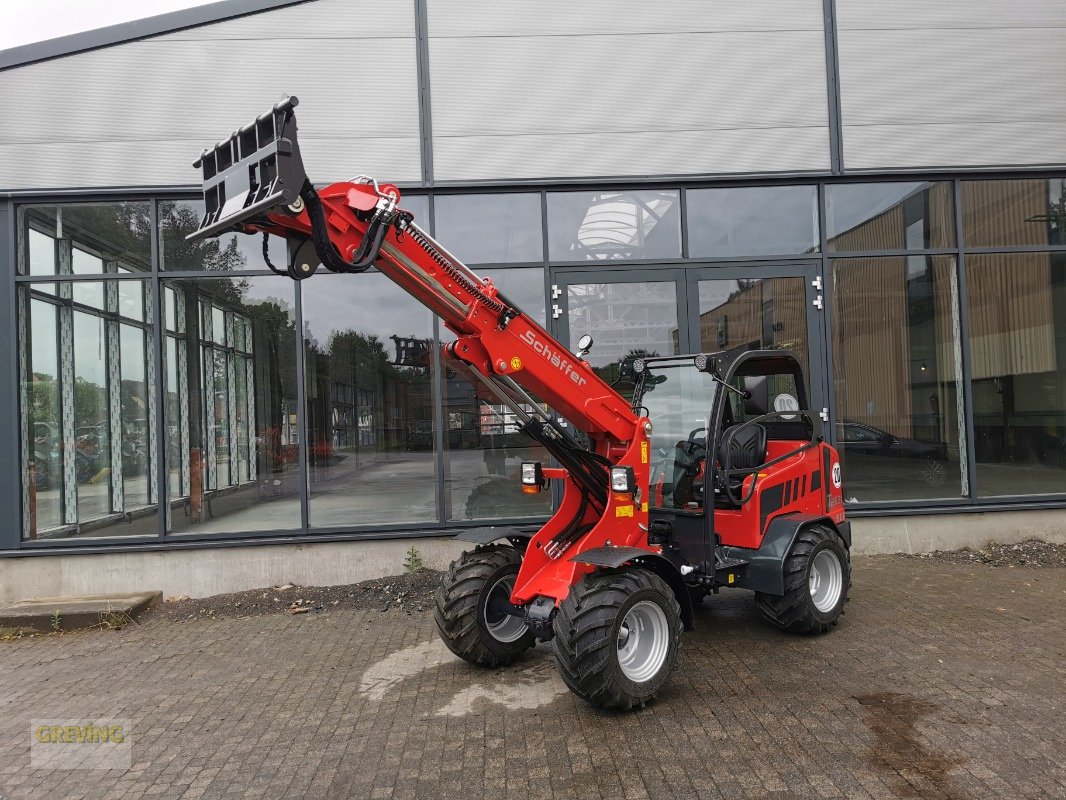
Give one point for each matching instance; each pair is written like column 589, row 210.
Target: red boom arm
column 508, row 352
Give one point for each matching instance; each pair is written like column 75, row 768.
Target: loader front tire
column 616, row 637
column 817, row 573
column 468, row 618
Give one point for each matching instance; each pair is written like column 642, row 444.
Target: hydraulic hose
column 326, row 251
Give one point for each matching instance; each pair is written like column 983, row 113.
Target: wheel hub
column 503, row 627
column 643, row 641
column 826, row 580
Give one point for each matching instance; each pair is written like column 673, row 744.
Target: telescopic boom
column 254, row 181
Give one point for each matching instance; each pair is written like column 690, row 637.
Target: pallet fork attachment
column 256, row 169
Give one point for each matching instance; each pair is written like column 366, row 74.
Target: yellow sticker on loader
column 643, row 452
column 623, row 511
column 516, row 363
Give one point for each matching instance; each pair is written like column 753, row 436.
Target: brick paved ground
column 943, row 680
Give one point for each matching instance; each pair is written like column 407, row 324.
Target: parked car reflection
column 864, row 446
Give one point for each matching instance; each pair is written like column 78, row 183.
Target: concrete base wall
column 204, row 572
column 925, row 533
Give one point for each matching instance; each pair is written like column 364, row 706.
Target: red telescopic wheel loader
column 713, row 475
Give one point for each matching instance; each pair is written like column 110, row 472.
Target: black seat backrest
column 743, row 446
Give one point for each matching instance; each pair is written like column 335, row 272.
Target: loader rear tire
column 817, row 573
column 466, row 620
column 616, row 637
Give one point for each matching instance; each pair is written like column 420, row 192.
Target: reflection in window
column 111, row 237
column 89, row 415
column 226, row 253
column 368, row 349
column 484, row 448
column 604, row 226
column 233, row 438
column 1014, row 213
column 866, row 217
column 898, row 358
column 490, row 229
column 769, row 314
column 625, row 320
column 1018, row 362
column 752, row 221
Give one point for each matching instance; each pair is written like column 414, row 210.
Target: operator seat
column 742, row 447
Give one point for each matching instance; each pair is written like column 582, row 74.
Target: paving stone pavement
column 942, row 681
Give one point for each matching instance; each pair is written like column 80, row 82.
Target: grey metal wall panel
column 557, row 90
column 951, row 84
column 139, row 113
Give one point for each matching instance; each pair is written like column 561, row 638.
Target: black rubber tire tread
column 460, row 601
column 586, row 636
column 794, row 611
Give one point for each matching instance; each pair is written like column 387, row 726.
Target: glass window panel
column 91, row 293
column 756, row 313
column 625, row 320
column 91, row 415
column 86, row 263
column 116, row 234
column 484, row 448
column 898, row 358
column 175, row 416
column 368, row 348
column 752, row 221
column 218, row 324
column 169, row 312
column 1014, row 213
column 42, row 255
column 1018, row 363
column 863, row 217
column 43, row 416
column 235, row 463
column 226, row 253
column 136, row 459
column 490, row 228
column 605, row 226
column 131, row 295
column 92, row 424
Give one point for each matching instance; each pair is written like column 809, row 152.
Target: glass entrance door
column 669, row 311
column 628, row 313
column 766, row 307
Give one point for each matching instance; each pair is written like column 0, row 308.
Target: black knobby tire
column 587, row 629
column 461, row 606
column 795, row 610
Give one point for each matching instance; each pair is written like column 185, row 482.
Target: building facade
column 877, row 188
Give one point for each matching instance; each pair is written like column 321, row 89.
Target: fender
column 494, row 533
column 614, row 557
column 765, row 569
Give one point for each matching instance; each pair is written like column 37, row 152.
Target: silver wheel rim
column 826, row 580
column 643, row 640
column 503, row 627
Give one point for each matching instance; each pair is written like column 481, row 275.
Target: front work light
column 532, row 477
column 622, row 480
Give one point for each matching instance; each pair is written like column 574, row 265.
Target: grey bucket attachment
column 256, row 170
